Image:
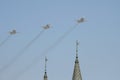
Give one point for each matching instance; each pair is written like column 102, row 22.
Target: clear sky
column 99, row 37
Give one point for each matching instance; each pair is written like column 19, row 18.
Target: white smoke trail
column 36, row 60
column 21, row 52
column 4, row 41
column 57, row 42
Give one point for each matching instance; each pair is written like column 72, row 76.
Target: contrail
column 21, row 52
column 4, row 41
column 30, row 43
column 57, row 42
column 24, row 49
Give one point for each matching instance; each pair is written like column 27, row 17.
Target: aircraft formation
column 57, row 42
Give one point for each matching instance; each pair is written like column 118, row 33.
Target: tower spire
column 45, row 74
column 76, row 72
column 77, row 44
column 45, row 64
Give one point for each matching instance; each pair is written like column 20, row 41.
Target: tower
column 76, row 72
column 45, row 74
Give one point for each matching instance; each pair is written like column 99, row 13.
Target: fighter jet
column 80, row 20
column 12, row 32
column 46, row 26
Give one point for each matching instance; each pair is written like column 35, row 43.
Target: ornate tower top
column 77, row 44
column 76, row 72
column 45, row 74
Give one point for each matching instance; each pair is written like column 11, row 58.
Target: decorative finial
column 46, row 63
column 77, row 43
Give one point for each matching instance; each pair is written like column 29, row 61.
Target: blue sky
column 99, row 37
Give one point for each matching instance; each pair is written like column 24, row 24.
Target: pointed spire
column 45, row 74
column 76, row 72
